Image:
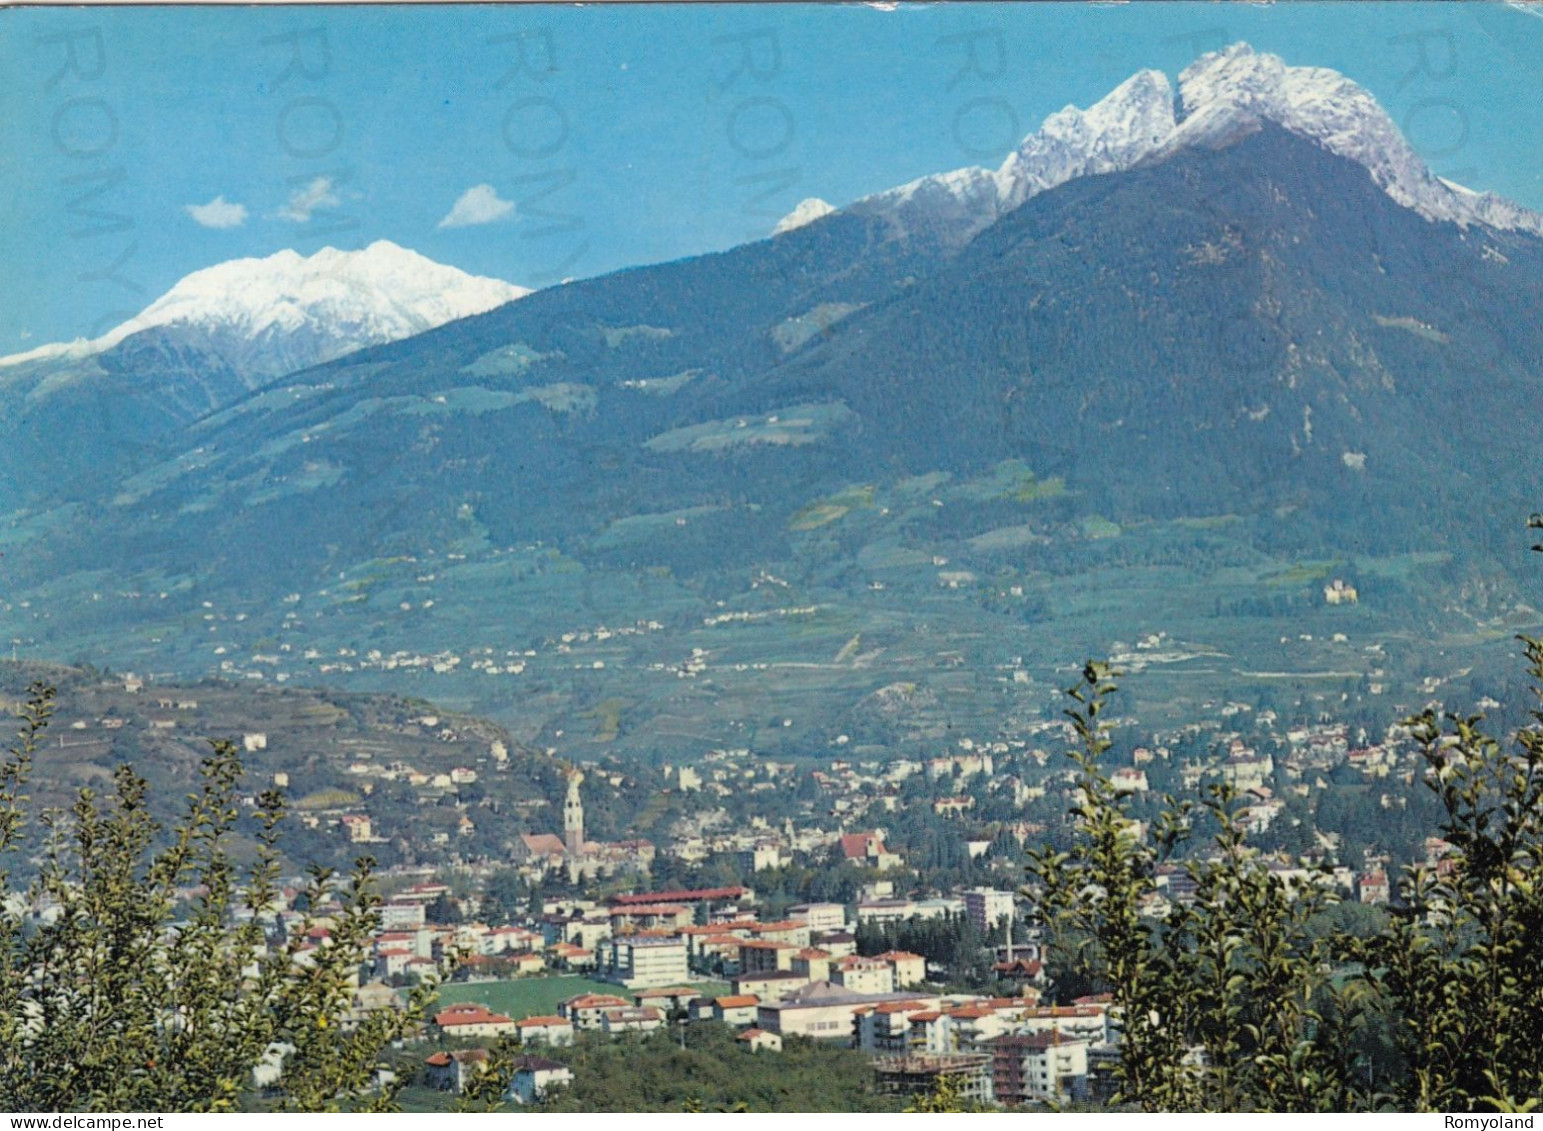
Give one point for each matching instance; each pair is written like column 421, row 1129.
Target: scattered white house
column 759, row 1040
column 534, row 1076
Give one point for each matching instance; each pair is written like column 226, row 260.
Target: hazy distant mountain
column 266, row 317
column 218, row 333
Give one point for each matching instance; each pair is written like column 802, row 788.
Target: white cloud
column 302, row 202
column 218, row 213
column 479, row 204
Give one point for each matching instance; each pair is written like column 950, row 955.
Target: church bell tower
column 573, row 816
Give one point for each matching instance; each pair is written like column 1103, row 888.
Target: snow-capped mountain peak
column 807, row 212
column 1224, row 88
column 285, row 310
column 1113, row 134
column 1218, row 95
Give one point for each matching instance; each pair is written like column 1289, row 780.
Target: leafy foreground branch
column 1228, row 1002
column 137, row 978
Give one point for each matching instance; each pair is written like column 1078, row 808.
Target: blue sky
column 620, row 135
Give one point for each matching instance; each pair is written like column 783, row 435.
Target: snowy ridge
column 1219, row 95
column 1226, row 87
column 1124, row 127
column 334, row 301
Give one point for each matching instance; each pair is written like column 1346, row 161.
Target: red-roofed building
column 667, row 997
column 1024, row 971
column 452, row 1071
column 572, row 957
column 739, row 928
column 910, row 969
column 471, row 1020
column 709, row 947
column 391, row 961
column 970, row 1025
column 690, row 896
column 867, row 850
column 714, row 952
column 420, row 942
column 542, row 844
column 632, row 1019
column 423, row 967
column 795, row 931
column 827, row 1011
column 887, row 1025
column 736, row 1009
column 527, row 962
column 424, row 893
column 357, row 826
column 1373, row 887
column 586, row 1010
column 546, row 1029
column 928, row 1031
column 1128, row 779
column 501, row 940
column 813, row 963
column 863, row 975
column 650, row 916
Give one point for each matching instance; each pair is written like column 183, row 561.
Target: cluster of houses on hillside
column 971, row 784
column 290, row 656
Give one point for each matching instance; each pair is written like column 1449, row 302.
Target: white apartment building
column 640, row 962
column 987, row 907
column 820, row 916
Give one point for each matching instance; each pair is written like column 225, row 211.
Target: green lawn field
column 529, row 997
